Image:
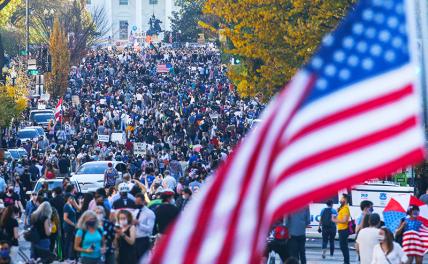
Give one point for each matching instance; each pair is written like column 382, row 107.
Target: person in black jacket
column 123, row 201
column 185, row 197
column 166, row 212
column 64, row 166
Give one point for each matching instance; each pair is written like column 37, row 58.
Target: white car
column 28, row 134
column 90, row 175
column 53, row 183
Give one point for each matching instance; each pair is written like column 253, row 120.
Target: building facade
column 131, row 17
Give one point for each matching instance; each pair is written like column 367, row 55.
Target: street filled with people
column 135, row 136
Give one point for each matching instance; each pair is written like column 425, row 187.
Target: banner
column 75, row 100
column 103, row 138
column 140, row 148
column 118, row 137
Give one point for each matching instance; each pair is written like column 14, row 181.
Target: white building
column 127, row 17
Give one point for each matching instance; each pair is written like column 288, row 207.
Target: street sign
column 134, row 28
column 32, row 64
column 33, row 72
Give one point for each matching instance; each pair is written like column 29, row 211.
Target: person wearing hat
column 167, row 212
column 124, row 201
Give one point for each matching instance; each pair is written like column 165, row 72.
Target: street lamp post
column 13, row 75
column 27, row 27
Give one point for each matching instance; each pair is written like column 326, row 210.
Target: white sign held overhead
column 118, row 137
column 140, row 149
column 103, row 138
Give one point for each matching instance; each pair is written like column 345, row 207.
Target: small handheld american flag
column 351, row 114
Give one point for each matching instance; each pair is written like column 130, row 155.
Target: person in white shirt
column 387, row 251
column 367, row 238
column 144, row 223
column 169, row 181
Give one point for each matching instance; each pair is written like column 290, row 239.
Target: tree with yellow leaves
column 57, row 79
column 13, row 101
column 272, row 38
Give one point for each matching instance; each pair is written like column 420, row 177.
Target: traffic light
column 235, row 61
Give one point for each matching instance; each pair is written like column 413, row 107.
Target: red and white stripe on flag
column 58, row 109
column 415, row 243
column 350, row 115
column 162, row 68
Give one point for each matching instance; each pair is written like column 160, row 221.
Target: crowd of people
column 188, row 119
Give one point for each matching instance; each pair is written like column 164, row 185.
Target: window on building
column 123, row 29
column 88, row 2
column 123, row 2
column 153, row 2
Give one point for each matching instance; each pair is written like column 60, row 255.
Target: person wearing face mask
column 185, row 197
column 386, row 251
column 125, row 201
column 11, row 198
column 89, row 239
column 30, row 207
column 69, row 225
column 342, row 220
column 167, row 212
column 9, row 226
column 125, row 238
column 109, row 233
column 144, row 223
column 366, row 209
column 4, row 253
column 411, row 240
column 367, row 239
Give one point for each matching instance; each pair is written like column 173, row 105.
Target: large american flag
column 58, row 110
column 351, row 114
column 163, row 68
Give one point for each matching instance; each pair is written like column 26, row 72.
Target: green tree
column 7, row 7
column 13, row 101
column 272, row 38
column 186, row 23
column 57, row 79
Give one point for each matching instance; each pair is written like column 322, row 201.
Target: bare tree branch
column 4, row 4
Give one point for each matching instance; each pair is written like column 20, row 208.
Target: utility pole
column 27, row 27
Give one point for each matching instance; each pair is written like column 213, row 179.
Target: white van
column 378, row 192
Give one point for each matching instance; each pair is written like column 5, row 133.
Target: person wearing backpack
column 89, row 241
column 278, row 237
column 327, row 228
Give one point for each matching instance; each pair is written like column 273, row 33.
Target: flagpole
column 421, row 12
column 422, row 30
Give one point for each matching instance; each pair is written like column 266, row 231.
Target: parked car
column 43, row 119
column 27, row 134
column 15, row 154
column 40, row 111
column 52, row 183
column 90, row 175
column 39, row 129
